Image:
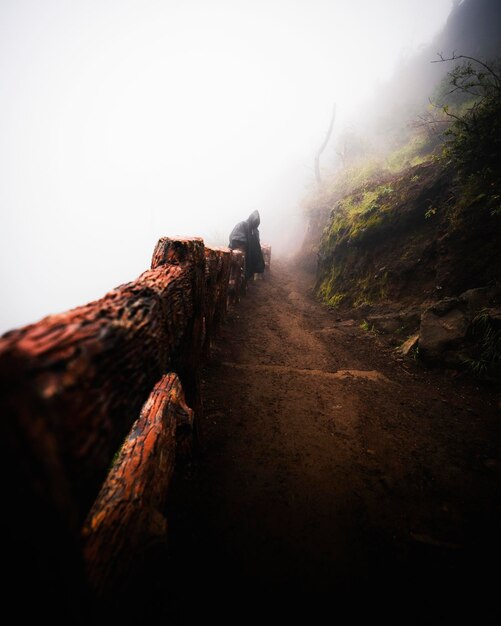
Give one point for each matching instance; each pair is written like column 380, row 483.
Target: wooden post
column 85, row 374
column 217, row 272
column 212, row 261
column 127, row 521
column 223, row 281
column 188, row 254
column 72, row 385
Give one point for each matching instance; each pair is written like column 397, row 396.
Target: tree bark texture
column 190, row 255
column 72, row 385
column 126, row 522
column 82, row 376
column 323, row 146
column 217, row 272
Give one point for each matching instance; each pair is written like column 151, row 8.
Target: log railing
column 74, row 386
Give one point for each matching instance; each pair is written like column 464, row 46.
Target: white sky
column 123, row 120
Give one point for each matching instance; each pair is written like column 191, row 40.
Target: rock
column 384, row 323
column 408, row 345
column 443, row 328
column 444, row 306
column 481, row 298
column 402, row 322
column 348, row 323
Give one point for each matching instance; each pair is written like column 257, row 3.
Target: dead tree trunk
column 323, row 146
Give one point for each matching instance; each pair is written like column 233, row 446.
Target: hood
column 254, row 220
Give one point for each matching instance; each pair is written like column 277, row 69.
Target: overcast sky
column 122, row 121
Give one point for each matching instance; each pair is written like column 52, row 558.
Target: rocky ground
column 334, row 474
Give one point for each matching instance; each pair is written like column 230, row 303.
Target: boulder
column 397, row 322
column 443, row 329
column 480, row 298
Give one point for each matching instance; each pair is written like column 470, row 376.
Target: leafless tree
column 323, row 146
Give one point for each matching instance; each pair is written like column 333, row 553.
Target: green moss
column 358, row 176
column 363, row 229
column 379, row 201
column 370, row 328
column 416, row 151
column 361, row 300
column 357, row 216
column 336, row 299
column 328, row 290
column 369, row 288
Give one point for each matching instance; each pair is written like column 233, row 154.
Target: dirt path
column 332, row 470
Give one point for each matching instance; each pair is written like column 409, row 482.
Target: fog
column 122, row 121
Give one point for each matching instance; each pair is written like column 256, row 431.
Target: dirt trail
column 332, row 470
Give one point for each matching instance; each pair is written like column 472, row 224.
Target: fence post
column 189, row 254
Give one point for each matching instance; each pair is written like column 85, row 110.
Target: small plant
column 473, row 137
column 476, row 366
column 430, row 213
column 335, row 300
column 488, row 340
column 496, row 201
column 369, row 328
column 386, row 190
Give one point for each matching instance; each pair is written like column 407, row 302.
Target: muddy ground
column 334, row 476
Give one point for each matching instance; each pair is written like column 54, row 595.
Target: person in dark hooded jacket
column 245, row 236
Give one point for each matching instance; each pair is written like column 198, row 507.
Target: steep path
column 331, row 469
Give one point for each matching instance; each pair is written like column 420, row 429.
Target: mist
column 123, row 121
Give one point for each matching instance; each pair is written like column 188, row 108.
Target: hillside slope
column 409, row 240
column 416, row 236
column 394, row 249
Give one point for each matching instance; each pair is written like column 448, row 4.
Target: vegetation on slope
column 424, row 221
column 405, row 233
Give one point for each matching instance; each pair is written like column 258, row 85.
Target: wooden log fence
column 127, row 517
column 72, row 386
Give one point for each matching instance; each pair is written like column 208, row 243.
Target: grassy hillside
column 422, row 225
column 410, row 237
column 428, row 217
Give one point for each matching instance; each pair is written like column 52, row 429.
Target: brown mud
column 333, row 475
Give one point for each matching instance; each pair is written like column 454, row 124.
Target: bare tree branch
column 455, row 57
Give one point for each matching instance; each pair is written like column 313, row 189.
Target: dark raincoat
column 245, row 236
